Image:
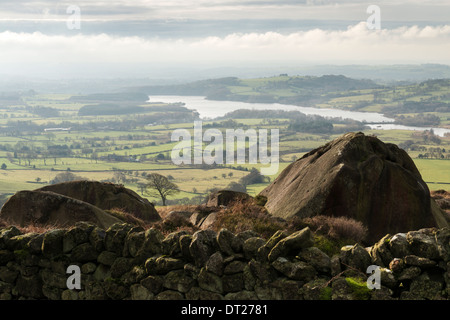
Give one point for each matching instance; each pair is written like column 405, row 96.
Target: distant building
column 57, row 129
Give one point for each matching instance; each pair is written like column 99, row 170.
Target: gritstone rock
column 359, row 177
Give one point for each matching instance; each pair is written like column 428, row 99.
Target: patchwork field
column 43, row 136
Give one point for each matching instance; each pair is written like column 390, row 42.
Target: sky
column 145, row 38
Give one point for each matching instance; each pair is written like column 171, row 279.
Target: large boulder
column 359, row 177
column 43, row 208
column 107, row 196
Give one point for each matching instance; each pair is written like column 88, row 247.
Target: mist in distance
column 190, row 40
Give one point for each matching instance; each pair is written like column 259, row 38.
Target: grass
column 436, row 173
column 247, row 215
column 192, row 181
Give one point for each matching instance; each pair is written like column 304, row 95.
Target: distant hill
column 196, row 88
column 116, row 97
column 282, row 89
column 382, row 73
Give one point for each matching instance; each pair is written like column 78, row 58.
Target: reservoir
column 211, row 109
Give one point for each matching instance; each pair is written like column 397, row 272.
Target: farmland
column 43, row 135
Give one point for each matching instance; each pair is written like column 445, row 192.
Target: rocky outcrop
column 44, row 208
column 226, row 197
column 359, row 177
column 107, row 196
column 127, row 262
column 64, row 204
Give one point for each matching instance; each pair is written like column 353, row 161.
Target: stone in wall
column 127, row 262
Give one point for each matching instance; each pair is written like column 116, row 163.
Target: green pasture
column 151, row 140
column 436, row 173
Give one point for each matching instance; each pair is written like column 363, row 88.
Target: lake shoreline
column 212, row 109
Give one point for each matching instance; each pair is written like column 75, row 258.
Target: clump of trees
column 418, row 120
column 66, row 177
column 417, row 107
column 319, row 125
column 44, row 112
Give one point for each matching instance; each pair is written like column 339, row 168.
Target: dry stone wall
column 128, row 262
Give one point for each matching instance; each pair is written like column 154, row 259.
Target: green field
column 436, row 173
column 123, row 148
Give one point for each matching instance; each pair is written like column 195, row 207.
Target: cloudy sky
column 149, row 38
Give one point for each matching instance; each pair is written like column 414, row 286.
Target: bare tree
column 159, row 185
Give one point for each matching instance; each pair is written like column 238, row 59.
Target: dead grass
column 127, row 217
column 247, row 215
column 164, row 211
column 30, row 228
column 240, row 216
column 442, row 199
column 337, row 227
column 174, row 223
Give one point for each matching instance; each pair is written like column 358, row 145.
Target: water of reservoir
column 210, row 109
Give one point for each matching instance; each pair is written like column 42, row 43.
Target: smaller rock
column 153, row 283
column 335, row 265
column 97, row 238
column 316, row 258
column 35, row 243
column 177, row 280
column 234, row 267
column 426, row 288
column 83, row 253
column 162, row 264
column 396, row 265
column 115, row 237
column 294, row 270
column 292, row 244
column 399, row 246
column 215, row 264
column 241, row 295
column 275, row 238
column 356, row 257
column 184, row 242
column 107, row 258
column 226, row 197
column 209, row 221
column 423, row 243
column 233, row 282
column 153, row 243
column 52, row 243
column 387, row 278
column 88, row 268
column 115, row 291
column 202, row 246
column 443, row 243
column 316, row 290
column 6, row 234
column 120, row 266
column 75, row 236
column 197, row 218
column 420, row 262
column 225, row 240
column 7, row 275
column 210, row 281
column 197, row 293
column 134, row 242
column 380, row 252
column 139, row 292
column 171, row 243
column 251, row 247
column 409, row 273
